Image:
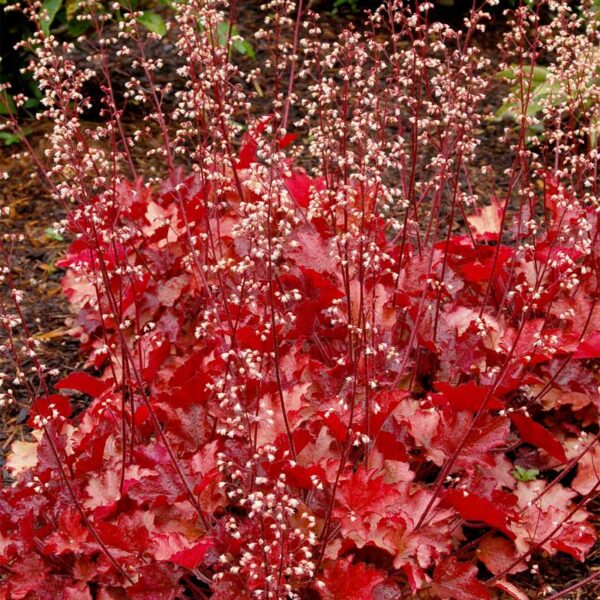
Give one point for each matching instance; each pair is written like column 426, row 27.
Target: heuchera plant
column 348, row 381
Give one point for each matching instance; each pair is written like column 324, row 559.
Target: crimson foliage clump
column 282, row 456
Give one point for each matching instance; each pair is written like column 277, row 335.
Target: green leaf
column 7, row 105
column 351, row 4
column 13, row 138
column 222, row 32
column 153, row 22
column 49, row 11
column 53, row 234
column 540, row 74
column 35, row 96
column 9, row 138
column 540, row 90
column 31, row 103
column 239, row 45
column 521, row 474
column 240, row 126
column 77, row 28
column 244, row 48
column 72, row 8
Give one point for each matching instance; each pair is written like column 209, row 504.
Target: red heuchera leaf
column 487, row 222
column 303, row 476
column 414, row 549
column 70, row 535
column 546, row 521
column 247, row 154
column 489, row 433
column 155, row 582
column 574, row 539
column 49, row 408
column 193, row 556
column 286, row 140
column 157, row 349
column 84, row 383
column 588, row 469
column 533, row 433
column 386, row 404
column 590, row 347
column 498, row 554
column 468, row 396
column 511, row 589
column 366, row 491
column 229, row 590
column 475, row 508
column 347, row 581
column 23, row 456
column 336, row 427
column 91, row 453
column 454, row 580
column 299, row 186
column 32, row 578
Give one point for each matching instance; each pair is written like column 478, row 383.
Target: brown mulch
column 33, row 212
column 32, row 215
